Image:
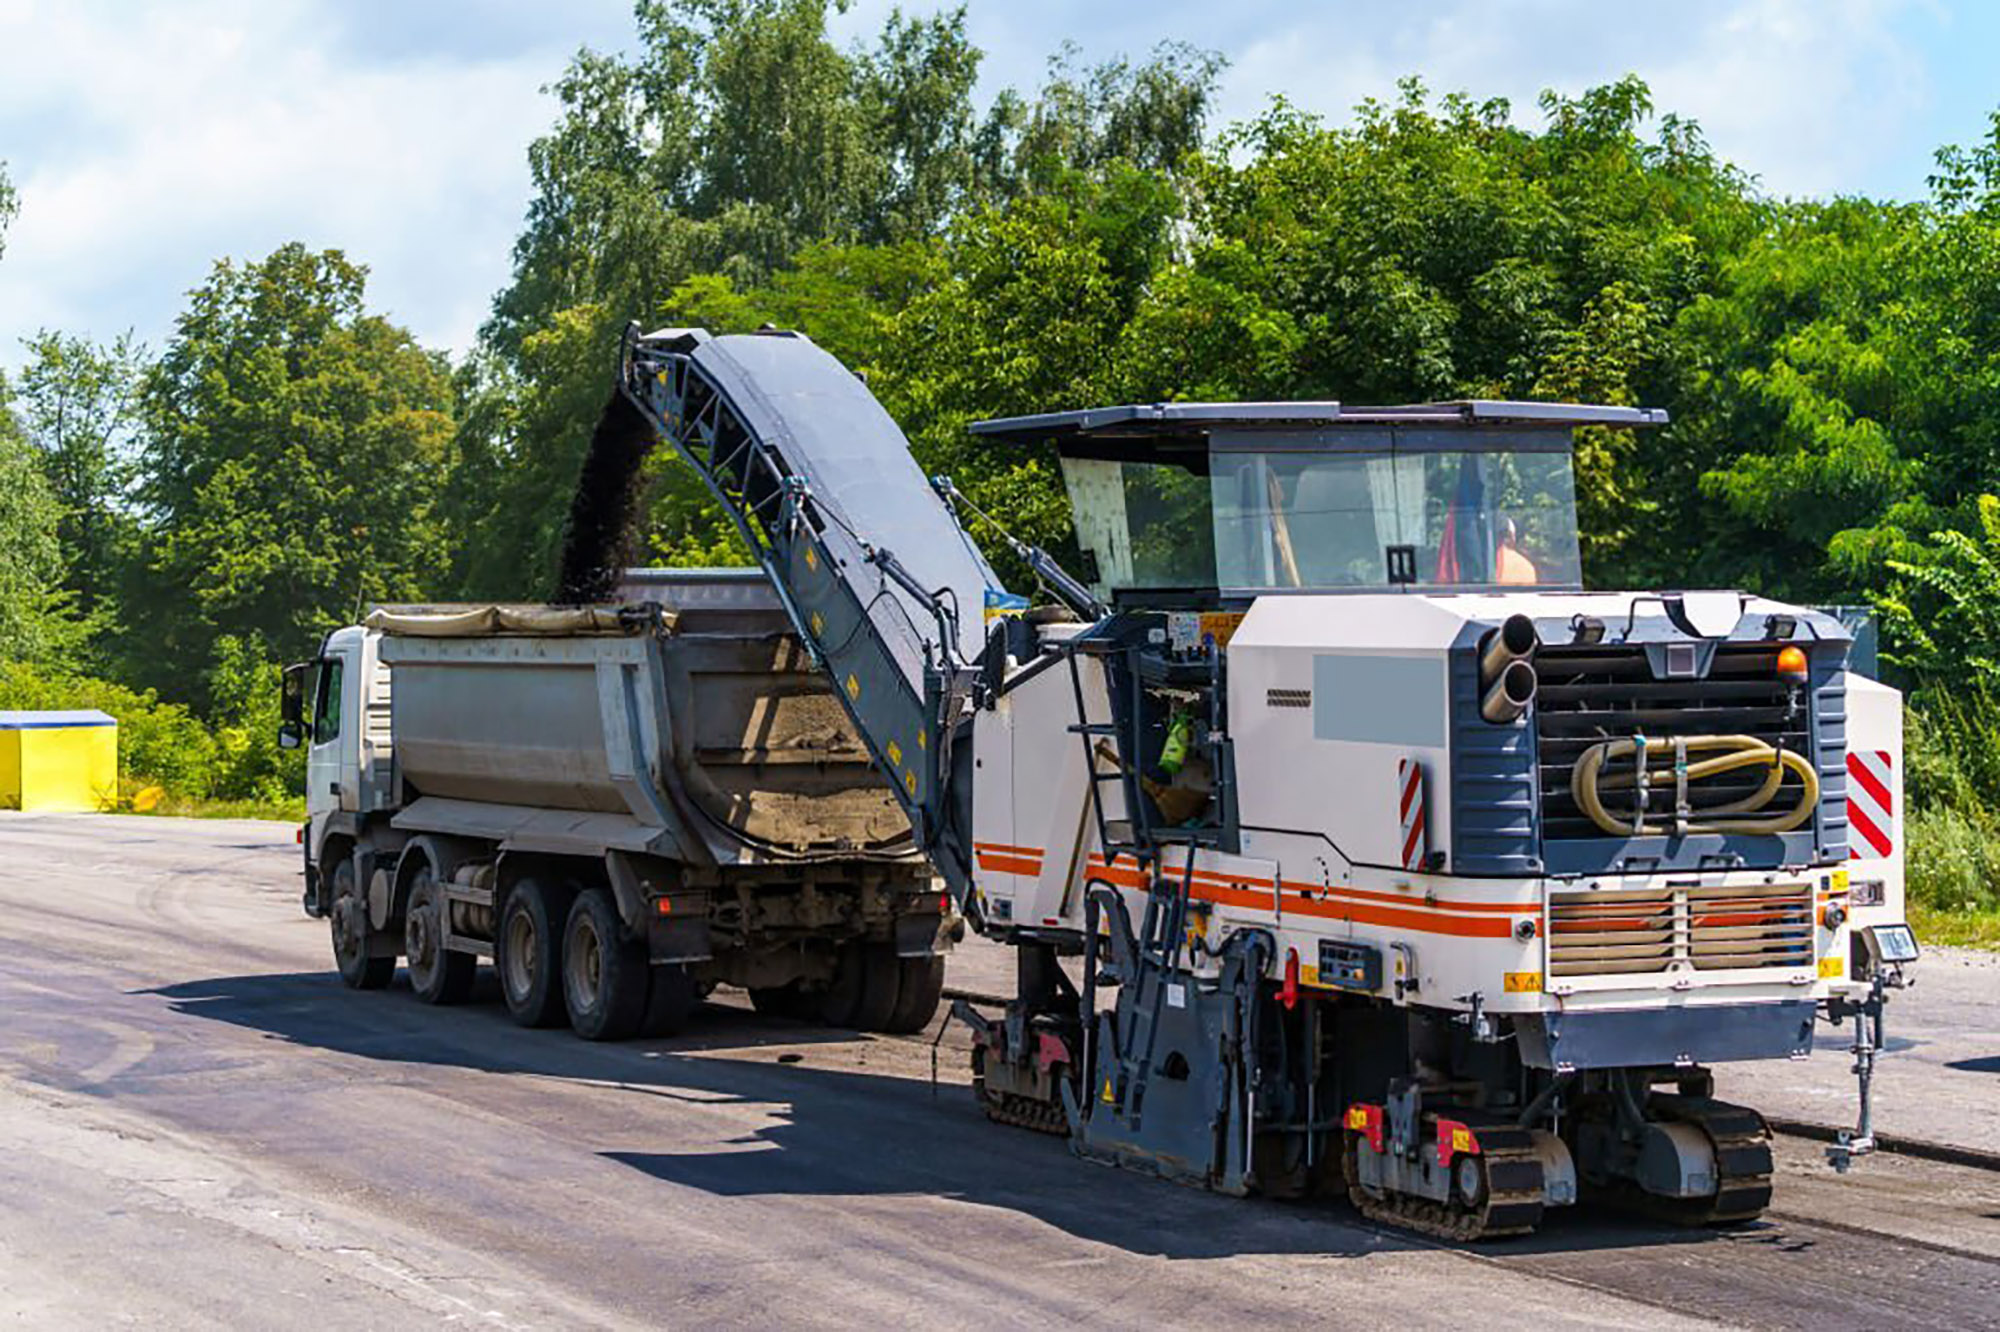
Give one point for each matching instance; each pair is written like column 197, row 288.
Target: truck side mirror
column 292, row 705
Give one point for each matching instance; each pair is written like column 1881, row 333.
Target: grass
column 291, row 810
column 1966, row 929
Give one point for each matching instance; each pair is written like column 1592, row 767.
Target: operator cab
column 1185, row 503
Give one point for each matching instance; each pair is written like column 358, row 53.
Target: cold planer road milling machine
column 1346, row 842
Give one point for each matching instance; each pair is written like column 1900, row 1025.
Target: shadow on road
column 837, row 1132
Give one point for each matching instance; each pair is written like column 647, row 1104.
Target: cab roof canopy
column 1185, row 419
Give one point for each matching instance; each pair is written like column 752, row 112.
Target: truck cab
column 328, row 703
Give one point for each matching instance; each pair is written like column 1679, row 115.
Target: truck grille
column 1679, row 927
column 1604, row 692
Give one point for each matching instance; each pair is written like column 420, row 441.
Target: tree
column 295, row 447
column 78, row 404
column 740, row 165
column 34, row 622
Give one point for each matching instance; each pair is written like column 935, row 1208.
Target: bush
column 158, row 743
column 1951, row 766
column 249, row 763
column 1952, row 860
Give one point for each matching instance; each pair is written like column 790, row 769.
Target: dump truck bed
column 689, row 722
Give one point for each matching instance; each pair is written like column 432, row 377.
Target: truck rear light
column 1288, row 993
column 663, row 906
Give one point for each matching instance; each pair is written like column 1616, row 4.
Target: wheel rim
column 583, row 969
column 1469, row 1183
column 349, row 936
column 521, row 955
column 420, row 934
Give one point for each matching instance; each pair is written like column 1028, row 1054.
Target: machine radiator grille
column 1606, row 691
column 1679, row 927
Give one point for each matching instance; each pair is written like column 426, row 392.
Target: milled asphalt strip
column 1945, row 1153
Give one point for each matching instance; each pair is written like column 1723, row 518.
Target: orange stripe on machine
column 1002, row 859
column 1486, row 920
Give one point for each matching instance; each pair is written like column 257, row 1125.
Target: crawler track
column 1511, row 1203
column 1742, row 1143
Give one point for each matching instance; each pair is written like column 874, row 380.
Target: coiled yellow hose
column 1588, row 782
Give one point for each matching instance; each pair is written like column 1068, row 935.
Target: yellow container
column 58, row 761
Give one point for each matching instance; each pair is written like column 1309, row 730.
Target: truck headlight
column 1865, row 893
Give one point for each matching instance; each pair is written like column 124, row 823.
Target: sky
column 146, row 141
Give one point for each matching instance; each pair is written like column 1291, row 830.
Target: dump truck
column 1346, row 842
column 619, row 809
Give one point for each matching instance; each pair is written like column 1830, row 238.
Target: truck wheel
column 782, row 1001
column 349, row 918
column 921, row 986
column 527, row 952
column 672, row 995
column 881, row 986
column 603, row 973
column 840, row 1002
column 437, row 974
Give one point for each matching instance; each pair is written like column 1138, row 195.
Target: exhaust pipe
column 1506, row 677
column 1509, row 695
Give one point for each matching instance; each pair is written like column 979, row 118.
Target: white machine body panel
column 1318, row 788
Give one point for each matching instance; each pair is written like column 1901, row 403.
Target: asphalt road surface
column 200, row 1126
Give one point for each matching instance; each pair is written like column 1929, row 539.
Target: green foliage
column 158, row 743
column 243, row 684
column 1944, row 609
column 36, row 623
column 295, row 447
column 77, row 404
column 1951, row 789
column 232, row 757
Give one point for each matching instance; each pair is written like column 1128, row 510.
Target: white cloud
column 1809, row 95
column 146, row 143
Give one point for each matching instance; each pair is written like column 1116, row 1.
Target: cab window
column 326, row 705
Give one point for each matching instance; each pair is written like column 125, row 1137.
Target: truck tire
column 881, row 986
column 917, row 995
column 782, row 1001
column 840, row 1001
column 672, row 995
column 348, row 916
column 603, row 973
column 437, row 974
column 527, row 952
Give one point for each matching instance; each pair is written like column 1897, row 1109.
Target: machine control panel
column 1349, row 966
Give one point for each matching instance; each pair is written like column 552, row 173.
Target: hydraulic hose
column 1588, row 783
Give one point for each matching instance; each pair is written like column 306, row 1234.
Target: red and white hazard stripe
column 1416, row 835
column 1871, row 804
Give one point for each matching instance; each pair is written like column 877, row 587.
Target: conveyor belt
column 875, row 573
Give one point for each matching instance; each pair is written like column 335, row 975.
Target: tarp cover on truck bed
column 484, row 621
